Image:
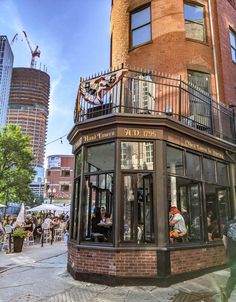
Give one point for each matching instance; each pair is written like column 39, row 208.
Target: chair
column 29, row 239
column 46, row 234
column 58, row 234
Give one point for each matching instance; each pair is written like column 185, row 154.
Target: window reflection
column 194, row 22
column 137, row 155
column 175, row 161
column 140, row 26
column 100, row 158
column 209, row 170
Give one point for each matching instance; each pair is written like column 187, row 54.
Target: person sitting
column 96, row 218
column 177, row 223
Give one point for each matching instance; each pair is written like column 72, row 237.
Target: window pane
column 224, row 207
column 140, row 18
column 193, row 167
column 232, row 39
column 74, row 218
column 78, row 164
column 137, row 156
column 209, row 173
column 138, row 208
column 233, row 52
column 97, row 207
column 175, row 161
column 141, row 35
column 100, row 158
column 222, row 175
column 213, row 222
column 129, row 189
column 194, row 22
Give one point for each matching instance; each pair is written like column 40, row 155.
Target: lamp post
column 51, row 194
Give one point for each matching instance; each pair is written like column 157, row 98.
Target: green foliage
column 16, row 172
column 19, row 232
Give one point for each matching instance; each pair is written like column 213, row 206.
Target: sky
column 74, row 39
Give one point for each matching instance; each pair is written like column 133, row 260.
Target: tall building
column 155, row 133
column 59, row 178
column 28, row 108
column 6, row 64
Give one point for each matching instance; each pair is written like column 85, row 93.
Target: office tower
column 6, row 64
column 28, row 108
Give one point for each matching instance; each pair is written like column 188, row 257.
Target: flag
column 94, row 90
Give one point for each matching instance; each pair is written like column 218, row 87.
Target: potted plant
column 18, row 239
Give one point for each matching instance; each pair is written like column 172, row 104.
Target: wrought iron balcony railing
column 133, row 92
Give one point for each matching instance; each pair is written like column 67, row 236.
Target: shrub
column 19, row 232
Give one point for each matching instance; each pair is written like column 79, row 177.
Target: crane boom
column 14, row 39
column 34, row 53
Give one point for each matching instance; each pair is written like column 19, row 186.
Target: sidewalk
column 39, row 274
column 30, row 255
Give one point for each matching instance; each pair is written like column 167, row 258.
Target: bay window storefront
column 125, row 184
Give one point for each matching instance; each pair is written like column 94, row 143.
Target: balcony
column 132, row 92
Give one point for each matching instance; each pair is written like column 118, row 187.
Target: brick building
column 59, row 177
column 155, row 133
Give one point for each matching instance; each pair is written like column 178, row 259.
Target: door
column 137, row 218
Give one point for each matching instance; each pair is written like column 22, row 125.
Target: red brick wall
column 133, row 263
column 196, row 259
column 227, row 18
column 169, row 51
column 142, row 263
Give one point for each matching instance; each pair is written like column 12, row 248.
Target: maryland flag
column 94, row 90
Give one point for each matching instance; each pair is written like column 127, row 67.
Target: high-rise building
column 28, row 108
column 154, row 141
column 6, row 64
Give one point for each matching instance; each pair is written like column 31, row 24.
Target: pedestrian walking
column 229, row 240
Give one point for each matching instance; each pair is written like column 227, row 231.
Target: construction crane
column 34, row 53
column 14, row 39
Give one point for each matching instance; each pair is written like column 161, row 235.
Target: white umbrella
column 2, row 205
column 21, row 216
column 44, row 207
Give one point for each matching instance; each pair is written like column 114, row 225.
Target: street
column 39, row 274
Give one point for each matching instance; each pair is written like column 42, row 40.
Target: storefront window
column 98, row 202
column 97, row 206
column 193, row 166
column 186, row 196
column 209, row 170
column 218, row 210
column 222, row 174
column 137, row 155
column 138, row 208
column 175, row 161
column 100, row 158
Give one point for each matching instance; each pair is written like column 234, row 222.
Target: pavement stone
column 39, row 274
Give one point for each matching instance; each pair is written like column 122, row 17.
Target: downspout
column 215, row 65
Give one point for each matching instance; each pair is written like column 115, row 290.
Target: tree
column 16, row 172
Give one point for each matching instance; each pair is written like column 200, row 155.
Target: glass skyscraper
column 6, row 65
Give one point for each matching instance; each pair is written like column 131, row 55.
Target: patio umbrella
column 21, row 216
column 45, row 207
column 2, row 205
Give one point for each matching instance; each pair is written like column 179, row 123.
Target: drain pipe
column 215, row 64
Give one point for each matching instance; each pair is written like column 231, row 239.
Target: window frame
column 196, row 4
column 232, row 48
column 136, row 10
